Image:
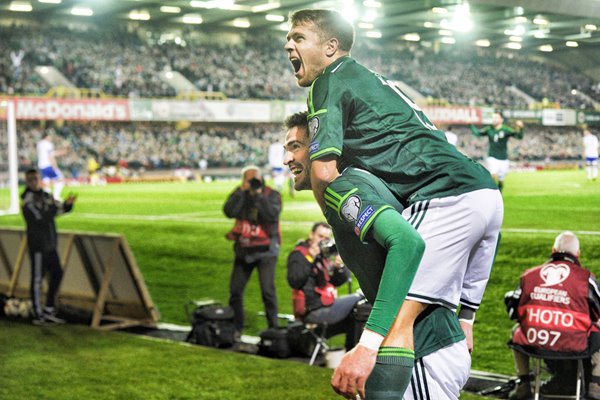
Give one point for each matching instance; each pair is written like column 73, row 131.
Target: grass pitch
column 176, row 232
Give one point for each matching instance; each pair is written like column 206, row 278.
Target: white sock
column 57, row 189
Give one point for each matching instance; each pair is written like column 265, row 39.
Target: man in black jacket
column 256, row 233
column 314, row 278
column 39, row 210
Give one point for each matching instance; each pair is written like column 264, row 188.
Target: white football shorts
column 461, row 235
column 440, row 375
column 499, row 168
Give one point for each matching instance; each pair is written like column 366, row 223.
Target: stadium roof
column 533, row 24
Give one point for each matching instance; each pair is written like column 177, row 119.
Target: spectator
column 314, row 278
column 256, row 234
column 39, row 210
column 562, row 287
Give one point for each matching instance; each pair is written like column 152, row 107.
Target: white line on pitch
column 522, row 230
column 204, row 217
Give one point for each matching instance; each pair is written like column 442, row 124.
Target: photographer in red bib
column 557, row 305
column 256, row 208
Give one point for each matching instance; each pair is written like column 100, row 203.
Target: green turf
column 177, row 234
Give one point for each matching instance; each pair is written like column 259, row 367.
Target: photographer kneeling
column 314, row 278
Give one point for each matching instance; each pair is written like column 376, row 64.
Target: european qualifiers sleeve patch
column 351, row 208
column 313, row 148
column 313, row 127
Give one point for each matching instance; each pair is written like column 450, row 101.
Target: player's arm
column 404, row 247
column 323, row 171
column 477, row 132
column 518, row 131
column 388, row 368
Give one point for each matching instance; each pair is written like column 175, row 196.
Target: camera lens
column 255, row 183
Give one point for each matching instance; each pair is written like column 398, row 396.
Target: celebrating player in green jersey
column 362, row 119
column 383, row 251
column 498, row 134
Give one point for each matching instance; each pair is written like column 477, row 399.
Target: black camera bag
column 302, row 342
column 212, row 325
column 274, row 343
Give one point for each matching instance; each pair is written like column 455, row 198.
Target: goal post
column 9, row 179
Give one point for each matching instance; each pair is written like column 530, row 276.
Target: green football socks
column 391, row 374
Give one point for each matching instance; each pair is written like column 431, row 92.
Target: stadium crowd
column 162, row 146
column 127, row 63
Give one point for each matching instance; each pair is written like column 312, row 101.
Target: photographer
column 256, row 210
column 314, row 279
column 561, row 286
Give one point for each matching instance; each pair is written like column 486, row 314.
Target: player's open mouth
column 296, row 170
column 297, row 64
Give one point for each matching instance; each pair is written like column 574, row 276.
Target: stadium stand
column 159, row 146
column 126, row 63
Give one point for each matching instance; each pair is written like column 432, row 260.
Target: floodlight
column 412, row 37
column 570, row 43
column 373, row 34
column 448, row 40
column 170, row 9
column 241, row 23
column 546, row 48
column 274, row 18
column 82, row 11
column 192, row 19
column 482, row 43
column 20, row 6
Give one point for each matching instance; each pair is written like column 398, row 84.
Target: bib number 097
column 542, row 336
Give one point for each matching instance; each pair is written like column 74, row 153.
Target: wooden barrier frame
column 98, row 270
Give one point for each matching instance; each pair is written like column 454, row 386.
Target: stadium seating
column 128, row 63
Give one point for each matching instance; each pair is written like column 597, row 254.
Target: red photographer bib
column 553, row 310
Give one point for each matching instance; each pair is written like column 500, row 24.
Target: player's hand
column 352, row 373
column 468, row 330
column 519, row 124
column 71, row 199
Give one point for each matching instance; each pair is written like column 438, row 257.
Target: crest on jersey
column 351, row 208
column 553, row 274
column 313, row 127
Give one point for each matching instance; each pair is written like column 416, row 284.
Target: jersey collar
column 335, row 64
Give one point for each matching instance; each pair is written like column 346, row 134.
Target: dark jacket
column 40, row 209
column 263, row 210
column 306, row 275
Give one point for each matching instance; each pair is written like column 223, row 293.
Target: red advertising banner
column 71, row 109
column 454, row 115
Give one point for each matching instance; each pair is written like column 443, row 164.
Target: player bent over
column 384, row 251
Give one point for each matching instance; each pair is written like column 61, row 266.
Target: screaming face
column 307, row 52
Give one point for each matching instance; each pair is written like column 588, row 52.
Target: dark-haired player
column 498, row 134
column 384, row 251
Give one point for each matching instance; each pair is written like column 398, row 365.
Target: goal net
column 9, row 190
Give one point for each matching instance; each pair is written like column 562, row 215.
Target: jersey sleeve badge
column 313, row 127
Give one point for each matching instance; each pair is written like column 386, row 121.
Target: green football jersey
column 498, row 139
column 354, row 201
column 368, row 122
